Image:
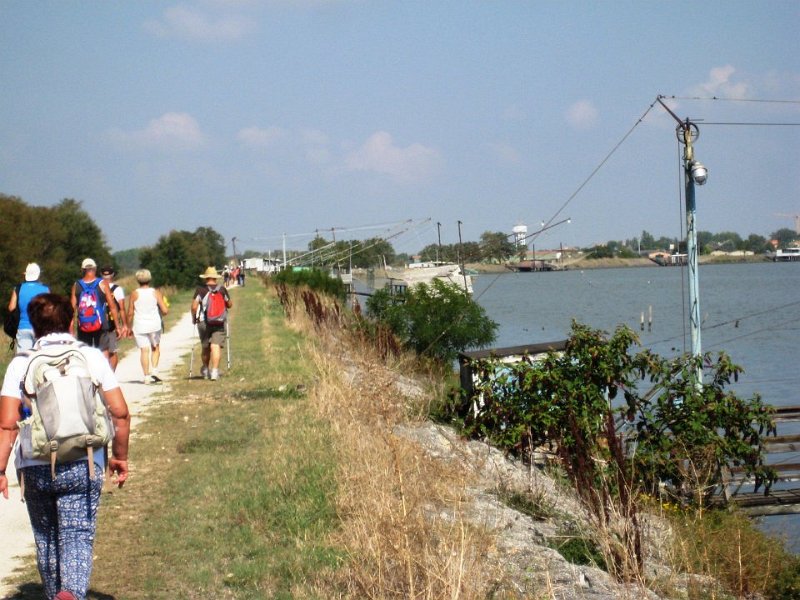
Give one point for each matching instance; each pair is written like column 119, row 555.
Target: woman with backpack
column 20, row 297
column 62, row 488
column 145, row 309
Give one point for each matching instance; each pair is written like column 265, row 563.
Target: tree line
column 59, row 237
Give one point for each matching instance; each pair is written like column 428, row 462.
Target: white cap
column 32, row 272
column 88, row 263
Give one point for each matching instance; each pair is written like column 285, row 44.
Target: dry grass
column 402, row 514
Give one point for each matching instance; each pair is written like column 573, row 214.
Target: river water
column 749, row 310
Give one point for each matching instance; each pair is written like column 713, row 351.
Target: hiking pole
column 228, row 343
column 191, row 360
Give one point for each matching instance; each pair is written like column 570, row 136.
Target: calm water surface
column 751, row 311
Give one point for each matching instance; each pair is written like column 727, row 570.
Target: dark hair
column 50, row 313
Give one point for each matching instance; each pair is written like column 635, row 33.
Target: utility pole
column 461, row 259
column 694, row 172
column 235, row 261
column 284, row 250
column 439, row 245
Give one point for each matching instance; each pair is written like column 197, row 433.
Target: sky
column 362, row 118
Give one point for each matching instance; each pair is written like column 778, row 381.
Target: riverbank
column 621, row 263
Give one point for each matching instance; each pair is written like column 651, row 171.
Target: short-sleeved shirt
column 12, row 383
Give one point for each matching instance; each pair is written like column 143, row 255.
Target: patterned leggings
column 63, row 515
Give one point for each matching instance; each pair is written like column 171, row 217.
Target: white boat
column 426, row 272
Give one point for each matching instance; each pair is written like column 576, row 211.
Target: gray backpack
column 68, row 416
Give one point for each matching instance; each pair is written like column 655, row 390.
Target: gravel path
column 17, row 540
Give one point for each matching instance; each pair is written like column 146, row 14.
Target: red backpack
column 215, row 307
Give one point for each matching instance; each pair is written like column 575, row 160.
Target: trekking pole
column 228, row 343
column 191, row 360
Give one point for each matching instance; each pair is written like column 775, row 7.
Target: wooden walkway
column 784, row 456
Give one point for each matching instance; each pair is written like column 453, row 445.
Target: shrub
column 315, row 279
column 436, row 320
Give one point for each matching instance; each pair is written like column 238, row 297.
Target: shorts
column 109, row 341
column 148, row 340
column 211, row 335
column 95, row 339
column 25, row 339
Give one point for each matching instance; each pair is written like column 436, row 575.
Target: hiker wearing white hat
column 18, row 304
column 92, row 300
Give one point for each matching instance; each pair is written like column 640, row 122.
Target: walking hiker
column 210, row 313
column 118, row 294
column 23, row 293
column 63, row 379
column 90, row 296
column 145, row 308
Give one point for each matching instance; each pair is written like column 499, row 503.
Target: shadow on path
column 35, row 591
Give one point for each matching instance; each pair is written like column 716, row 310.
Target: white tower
column 520, row 235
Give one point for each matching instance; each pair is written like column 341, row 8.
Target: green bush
column 315, row 279
column 436, row 320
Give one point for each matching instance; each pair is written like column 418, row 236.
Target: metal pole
column 461, row 252
column 691, row 249
column 439, row 245
column 284, row 250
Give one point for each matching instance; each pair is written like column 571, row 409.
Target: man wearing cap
column 21, row 296
column 99, row 338
column 118, row 293
column 212, row 337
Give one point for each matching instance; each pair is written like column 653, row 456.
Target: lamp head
column 699, row 173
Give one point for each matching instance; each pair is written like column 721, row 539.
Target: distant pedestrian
column 91, row 298
column 62, row 499
column 21, row 297
column 240, row 278
column 210, row 313
column 118, row 294
column 145, row 308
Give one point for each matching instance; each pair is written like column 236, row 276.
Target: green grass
column 232, row 485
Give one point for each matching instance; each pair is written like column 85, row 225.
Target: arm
column 195, row 306
column 228, row 301
column 9, row 415
column 162, row 306
column 112, row 307
column 73, row 298
column 12, row 303
column 131, row 299
column 124, row 314
column 118, row 408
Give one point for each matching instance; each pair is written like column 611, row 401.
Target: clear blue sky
column 260, row 118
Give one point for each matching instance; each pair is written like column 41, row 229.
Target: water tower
column 520, row 233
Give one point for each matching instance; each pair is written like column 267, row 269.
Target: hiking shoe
column 64, row 595
column 214, row 374
column 146, row 379
column 204, row 373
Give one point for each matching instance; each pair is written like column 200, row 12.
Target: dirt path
column 17, row 545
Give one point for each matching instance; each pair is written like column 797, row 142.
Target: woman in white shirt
column 145, row 308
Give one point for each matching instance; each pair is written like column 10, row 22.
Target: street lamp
column 694, row 173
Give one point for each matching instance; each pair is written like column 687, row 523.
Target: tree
column 756, row 243
column 179, row 257
column 648, row 242
column 495, row 246
column 785, row 237
column 57, row 238
column 436, row 320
